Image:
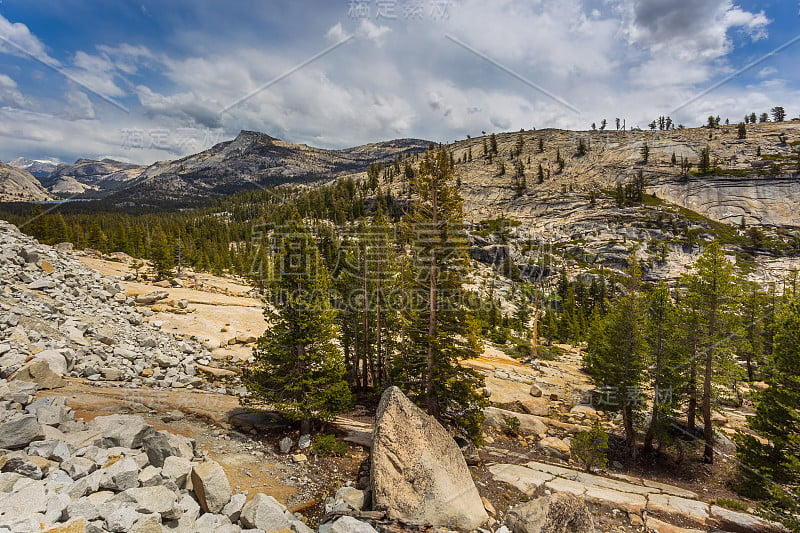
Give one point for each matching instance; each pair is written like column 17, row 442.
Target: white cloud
column 336, row 33
column 18, row 40
column 404, row 78
column 78, row 107
column 373, row 32
column 766, row 72
column 9, row 93
column 691, row 30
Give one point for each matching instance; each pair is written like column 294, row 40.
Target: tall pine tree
column 712, row 290
column 771, row 467
column 298, row 368
column 617, row 352
column 438, row 327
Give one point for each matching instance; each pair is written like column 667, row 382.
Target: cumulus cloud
column 690, row 30
column 634, row 59
column 16, row 39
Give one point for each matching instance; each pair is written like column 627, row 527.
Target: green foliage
column 667, row 362
column 581, row 150
column 741, row 131
column 327, row 444
column 731, row 504
column 771, row 470
column 617, row 348
column 366, row 260
column 298, row 368
column 440, row 329
column 712, row 291
column 590, row 448
column 704, row 165
column 511, row 426
column 778, row 114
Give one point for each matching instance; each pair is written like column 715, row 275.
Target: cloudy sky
column 152, row 80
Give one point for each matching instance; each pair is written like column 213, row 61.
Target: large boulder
column 418, row 472
column 558, row 513
column 528, row 424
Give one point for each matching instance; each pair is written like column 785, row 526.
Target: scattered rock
column 151, row 298
column 16, row 434
column 551, row 514
column 211, row 486
column 346, row 524
column 40, row 373
column 285, row 445
column 555, row 447
column 264, row 512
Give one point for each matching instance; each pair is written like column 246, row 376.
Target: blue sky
column 146, row 81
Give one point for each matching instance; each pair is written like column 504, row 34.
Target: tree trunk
column 651, row 430
column 627, row 422
column 692, row 409
column 367, row 354
column 430, row 397
column 708, row 430
column 535, row 330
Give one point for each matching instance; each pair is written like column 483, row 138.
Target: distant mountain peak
column 247, row 137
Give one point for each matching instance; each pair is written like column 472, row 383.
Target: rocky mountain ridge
column 755, row 178
column 253, row 160
column 39, row 168
column 88, row 178
column 18, row 185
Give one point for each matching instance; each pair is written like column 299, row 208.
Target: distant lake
column 67, row 200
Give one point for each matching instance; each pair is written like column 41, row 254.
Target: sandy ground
column 220, row 308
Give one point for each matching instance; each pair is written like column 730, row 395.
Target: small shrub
column 325, row 444
column 590, row 448
column 731, row 504
column 512, row 426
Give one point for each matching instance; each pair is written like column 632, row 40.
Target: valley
column 149, row 312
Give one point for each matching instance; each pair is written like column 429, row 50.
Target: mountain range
column 250, row 160
column 750, row 180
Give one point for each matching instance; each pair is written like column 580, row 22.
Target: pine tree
column 160, row 253
column 778, row 114
column 771, row 469
column 704, row 165
column 493, row 143
column 617, row 351
column 712, row 290
column 298, row 368
column 438, row 333
column 741, row 131
column 668, row 359
column 755, row 316
column 367, row 271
